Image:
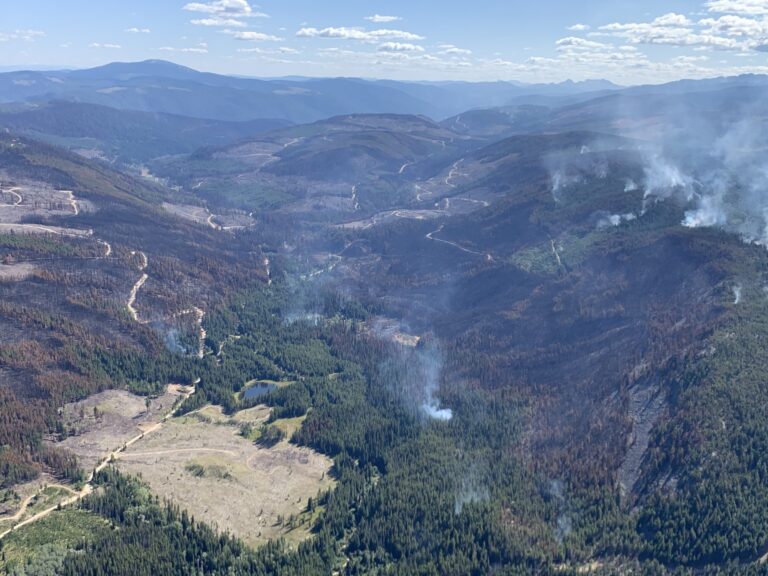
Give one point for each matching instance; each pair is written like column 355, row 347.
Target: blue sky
column 627, row 41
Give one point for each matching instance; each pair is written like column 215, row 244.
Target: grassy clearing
column 50, row 496
column 40, row 548
column 202, row 463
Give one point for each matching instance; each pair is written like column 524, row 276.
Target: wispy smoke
column 665, row 180
column 630, row 186
column 710, row 211
column 564, row 522
column 173, row 342
column 568, row 169
column 714, row 165
column 737, row 290
column 472, row 491
column 415, row 373
column 562, row 180
column 430, row 363
column 609, row 220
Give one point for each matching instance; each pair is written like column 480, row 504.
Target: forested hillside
column 518, row 341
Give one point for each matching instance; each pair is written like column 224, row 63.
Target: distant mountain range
column 159, row 86
column 137, row 112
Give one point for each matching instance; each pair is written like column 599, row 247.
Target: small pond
column 258, row 389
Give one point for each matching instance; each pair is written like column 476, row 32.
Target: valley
column 523, row 339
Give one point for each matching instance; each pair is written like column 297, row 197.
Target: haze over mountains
column 160, row 100
column 158, row 86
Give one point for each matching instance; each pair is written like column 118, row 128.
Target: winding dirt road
column 56, row 230
column 211, row 223
column 556, row 254
column 431, row 236
column 136, row 287
column 28, row 500
column 199, row 315
column 179, row 451
column 107, row 248
column 88, row 486
column 72, row 201
column 483, row 203
column 454, row 172
column 18, row 199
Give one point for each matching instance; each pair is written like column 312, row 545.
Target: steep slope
column 95, row 276
column 125, row 135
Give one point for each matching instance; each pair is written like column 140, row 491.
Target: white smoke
column 564, row 523
column 737, row 290
column 572, row 167
column 173, row 342
column 312, row 318
column 615, row 220
column 415, row 374
column 630, row 186
column 715, row 167
column 665, row 180
column 710, row 212
column 472, row 492
column 430, row 361
column 430, row 409
column 562, row 180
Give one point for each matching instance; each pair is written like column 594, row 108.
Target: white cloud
column 344, row 33
column 573, row 42
column 221, row 13
column 690, row 59
column 399, row 47
column 579, row 28
column 106, row 46
column 741, row 33
column 138, row 30
column 378, row 19
column 218, row 21
column 25, row 35
column 672, row 19
column 281, row 50
column 194, row 50
column 749, row 7
column 226, row 8
column 735, row 26
column 454, row 50
column 253, row 36
column 670, row 29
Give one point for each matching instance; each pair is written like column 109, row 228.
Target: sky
column 625, row 41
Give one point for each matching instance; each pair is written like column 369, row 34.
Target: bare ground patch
column 16, row 272
column 200, row 215
column 103, row 422
column 201, row 463
column 43, row 229
column 22, row 200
